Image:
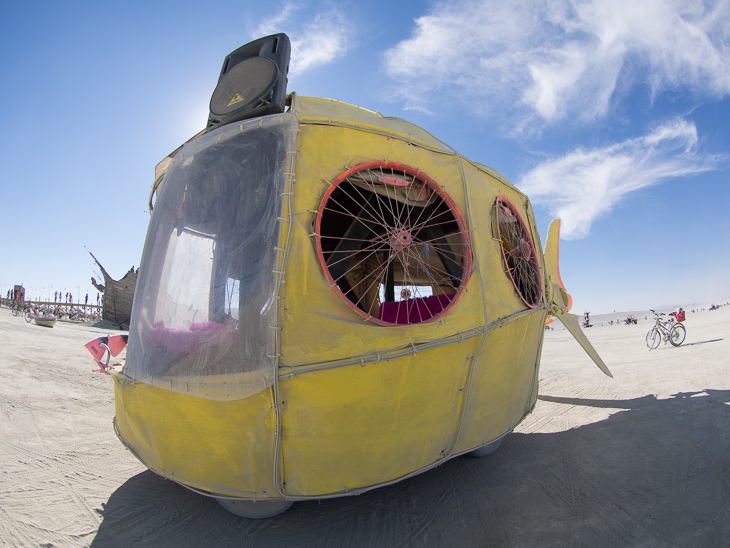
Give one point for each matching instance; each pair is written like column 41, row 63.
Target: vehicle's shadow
column 655, row 473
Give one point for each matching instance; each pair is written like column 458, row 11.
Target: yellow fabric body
column 224, row 447
column 504, row 382
column 360, row 404
column 353, row 427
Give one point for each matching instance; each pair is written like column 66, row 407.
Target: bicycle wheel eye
column 518, row 251
column 393, row 244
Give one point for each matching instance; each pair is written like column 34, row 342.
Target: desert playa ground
column 642, row 459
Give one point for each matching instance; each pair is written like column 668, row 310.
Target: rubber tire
column 653, row 338
column 679, row 332
column 27, row 316
column 255, row 510
column 487, row 449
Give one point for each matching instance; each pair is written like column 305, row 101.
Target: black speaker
column 252, row 81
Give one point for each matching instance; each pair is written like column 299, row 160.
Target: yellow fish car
column 329, row 301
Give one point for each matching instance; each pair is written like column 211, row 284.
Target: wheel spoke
column 398, row 220
column 519, row 253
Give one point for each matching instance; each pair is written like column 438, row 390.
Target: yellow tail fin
column 560, row 300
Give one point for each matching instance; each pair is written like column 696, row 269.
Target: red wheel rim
column 518, row 252
column 393, row 244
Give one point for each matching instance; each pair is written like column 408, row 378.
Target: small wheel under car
column 255, row 510
column 487, row 449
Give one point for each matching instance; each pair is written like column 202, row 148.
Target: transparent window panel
column 202, row 311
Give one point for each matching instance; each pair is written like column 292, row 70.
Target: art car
column 329, row 301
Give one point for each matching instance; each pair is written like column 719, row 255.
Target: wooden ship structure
column 117, row 295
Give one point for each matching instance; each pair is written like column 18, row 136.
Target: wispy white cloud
column 277, row 22
column 583, row 185
column 561, row 58
column 315, row 40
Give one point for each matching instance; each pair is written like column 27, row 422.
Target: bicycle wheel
column 518, row 250
column 677, row 334
column 653, row 338
column 27, row 316
column 393, row 244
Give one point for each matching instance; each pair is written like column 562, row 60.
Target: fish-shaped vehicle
column 329, row 301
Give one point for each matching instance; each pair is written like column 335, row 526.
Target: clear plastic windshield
column 204, row 299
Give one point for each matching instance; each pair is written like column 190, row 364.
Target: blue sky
column 613, row 115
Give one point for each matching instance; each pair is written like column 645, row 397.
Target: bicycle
column 669, row 330
column 30, row 314
column 17, row 309
column 34, row 312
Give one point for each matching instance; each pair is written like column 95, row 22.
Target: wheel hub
column 400, row 239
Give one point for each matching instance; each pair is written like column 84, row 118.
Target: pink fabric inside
column 184, row 341
column 414, row 310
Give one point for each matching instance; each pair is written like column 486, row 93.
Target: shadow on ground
column 702, row 342
column 655, row 473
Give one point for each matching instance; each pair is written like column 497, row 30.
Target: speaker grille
column 243, row 86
